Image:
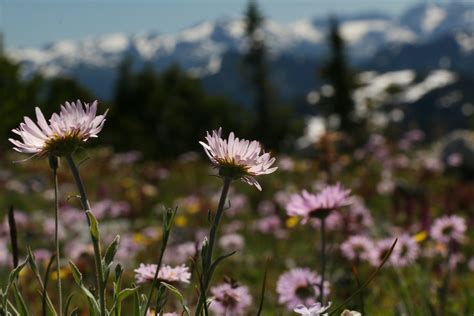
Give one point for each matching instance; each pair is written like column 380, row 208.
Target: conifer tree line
column 162, row 113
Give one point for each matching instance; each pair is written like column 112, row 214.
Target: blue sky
column 32, row 23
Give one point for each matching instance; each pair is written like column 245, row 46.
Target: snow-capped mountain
column 199, row 48
column 206, row 48
column 434, row 20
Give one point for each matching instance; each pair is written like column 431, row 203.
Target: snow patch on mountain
column 433, row 16
column 436, row 79
column 377, row 88
column 114, row 43
column 465, row 41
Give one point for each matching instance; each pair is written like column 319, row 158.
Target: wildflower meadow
column 234, row 230
column 236, row 158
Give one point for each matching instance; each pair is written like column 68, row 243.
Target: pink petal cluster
column 316, row 309
column 358, row 216
column 152, row 313
column 243, row 155
column 75, row 122
column 405, row 252
column 146, row 272
column 448, row 228
column 382, row 247
column 299, row 286
column 357, row 248
column 307, row 204
column 230, row 299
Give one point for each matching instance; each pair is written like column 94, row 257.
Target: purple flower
column 333, row 197
column 110, row 208
column 182, row 252
column 358, row 216
column 74, row 125
column 268, row 224
column 128, row 249
column 78, row 249
column 42, row 255
column 381, row 249
column 146, row 272
column 448, row 228
column 238, row 159
column 231, row 242
column 230, row 299
column 357, row 248
column 406, row 251
column 4, row 254
column 308, row 205
column 299, row 286
column 314, row 310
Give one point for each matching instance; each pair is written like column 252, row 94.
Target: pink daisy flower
column 407, row 251
column 146, row 272
column 448, row 228
column 314, row 310
column 231, row 242
column 299, row 286
column 382, row 247
column 308, row 205
column 74, row 125
column 238, row 159
column 230, row 299
column 357, row 248
column 358, row 216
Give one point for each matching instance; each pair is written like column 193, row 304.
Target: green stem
column 54, row 165
column 97, row 253
column 322, row 258
column 158, row 266
column 206, row 273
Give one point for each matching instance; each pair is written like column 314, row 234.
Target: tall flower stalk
column 100, row 282
column 54, row 164
column 58, row 137
column 310, row 206
column 235, row 159
column 208, row 249
column 168, row 219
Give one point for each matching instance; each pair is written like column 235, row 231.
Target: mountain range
column 423, row 38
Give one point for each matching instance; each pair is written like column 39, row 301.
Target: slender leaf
column 47, row 305
column 94, row 225
column 93, row 305
column 111, row 250
column 262, row 292
column 20, row 302
column 68, row 303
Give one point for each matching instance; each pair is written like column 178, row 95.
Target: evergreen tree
column 339, row 75
column 255, row 60
column 162, row 114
